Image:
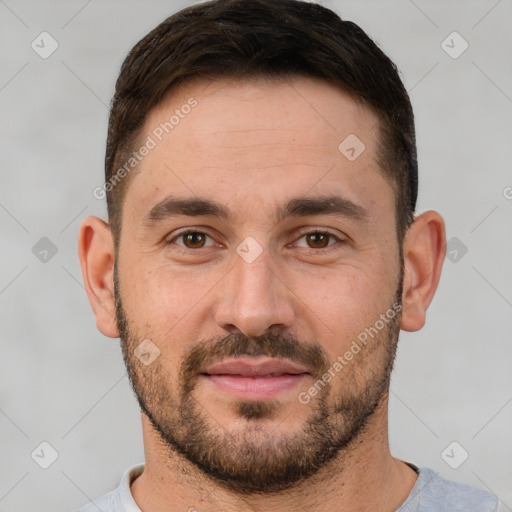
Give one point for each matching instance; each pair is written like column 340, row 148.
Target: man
column 261, row 255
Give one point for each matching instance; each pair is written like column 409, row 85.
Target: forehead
column 250, row 141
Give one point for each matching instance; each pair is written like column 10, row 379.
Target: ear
column 97, row 256
column 424, row 251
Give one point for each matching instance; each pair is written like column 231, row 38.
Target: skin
column 252, row 146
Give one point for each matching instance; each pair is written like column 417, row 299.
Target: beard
column 253, row 459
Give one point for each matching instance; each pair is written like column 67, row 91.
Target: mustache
column 207, row 352
column 282, row 346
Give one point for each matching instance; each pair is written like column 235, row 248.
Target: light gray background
column 63, row 382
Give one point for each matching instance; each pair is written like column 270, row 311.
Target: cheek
column 167, row 305
column 158, row 290
column 345, row 296
column 342, row 305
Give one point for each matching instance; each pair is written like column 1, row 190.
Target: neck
column 363, row 477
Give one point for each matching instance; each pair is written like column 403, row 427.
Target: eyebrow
column 296, row 207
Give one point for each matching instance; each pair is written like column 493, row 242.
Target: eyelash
column 187, row 250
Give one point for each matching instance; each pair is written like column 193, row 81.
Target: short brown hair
column 268, row 38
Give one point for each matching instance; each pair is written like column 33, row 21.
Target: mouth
column 250, row 378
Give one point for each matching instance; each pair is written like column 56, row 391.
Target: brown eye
column 194, row 239
column 318, row 240
column 191, row 239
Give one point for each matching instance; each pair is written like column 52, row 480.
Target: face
column 258, row 270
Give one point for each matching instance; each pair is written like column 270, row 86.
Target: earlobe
column 424, row 252
column 97, row 256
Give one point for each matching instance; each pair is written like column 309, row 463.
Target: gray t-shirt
column 431, row 493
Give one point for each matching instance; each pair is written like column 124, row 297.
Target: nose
column 255, row 298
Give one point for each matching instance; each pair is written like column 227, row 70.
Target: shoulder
column 432, row 493
column 105, row 503
column 120, row 499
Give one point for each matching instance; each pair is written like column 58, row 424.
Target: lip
column 255, row 378
column 255, row 367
